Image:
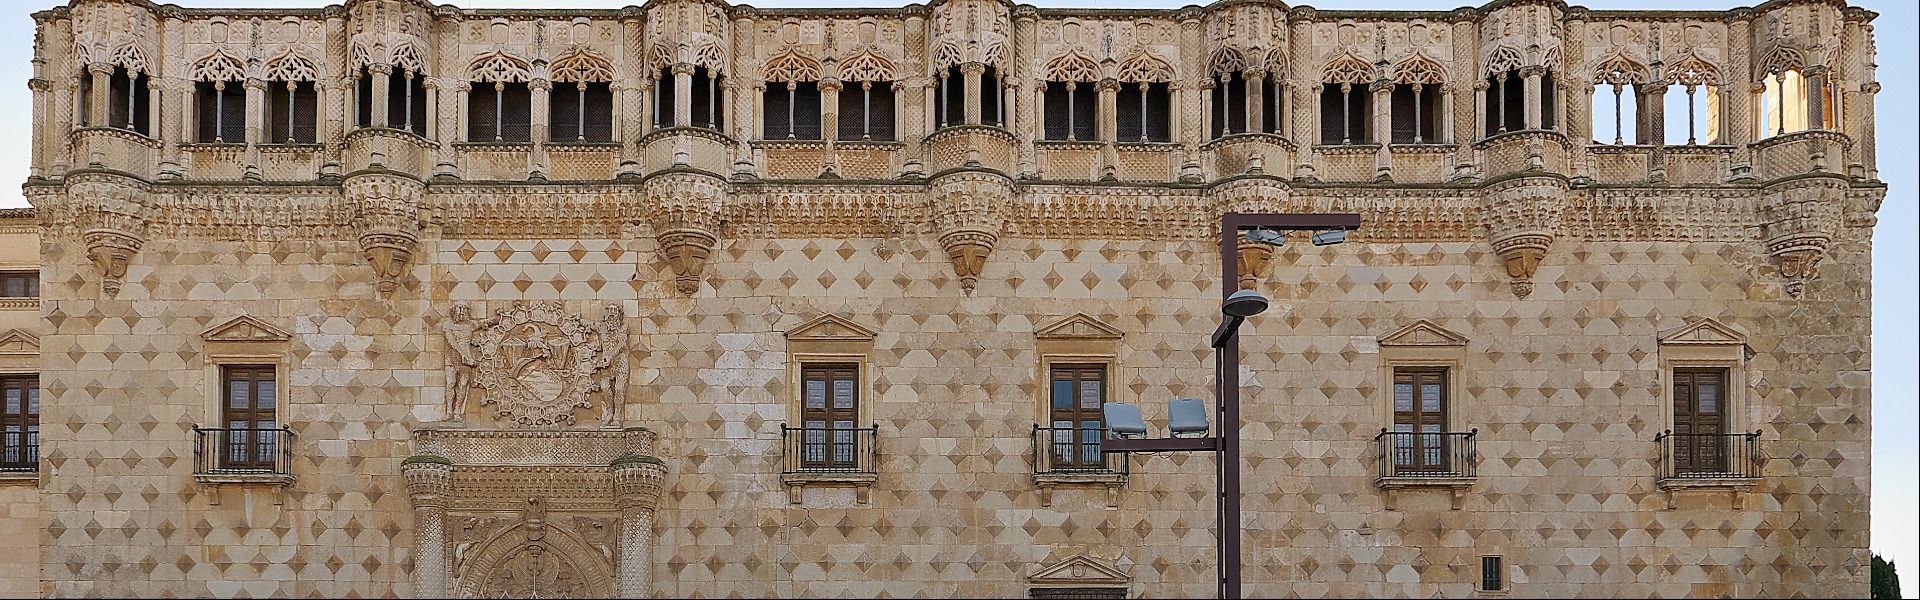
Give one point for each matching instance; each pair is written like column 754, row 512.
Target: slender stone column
column 682, row 95
column 100, row 98
column 429, row 487
column 1256, row 99
column 1531, row 119
column 538, row 90
column 1382, row 134
column 379, row 74
column 970, row 73
column 637, row 482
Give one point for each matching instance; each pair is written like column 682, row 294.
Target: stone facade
column 568, row 366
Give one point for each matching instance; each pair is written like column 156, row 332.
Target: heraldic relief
column 530, row 495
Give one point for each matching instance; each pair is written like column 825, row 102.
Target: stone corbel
column 1520, row 216
column 111, row 252
column 968, row 249
column 1521, row 253
column 1800, row 218
column 685, row 215
column 1798, row 258
column 1253, row 263
column 390, row 253
column 387, row 219
column 967, row 218
column 686, row 251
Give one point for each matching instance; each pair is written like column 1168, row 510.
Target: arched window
column 1415, row 100
column 127, row 102
column 1616, row 102
column 1143, row 106
column 1692, row 103
column 292, row 103
column 1070, row 98
column 1346, row 105
column 706, row 111
column 499, row 105
column 866, row 101
column 1225, row 72
column 580, row 107
column 1793, row 97
column 220, row 102
column 791, row 103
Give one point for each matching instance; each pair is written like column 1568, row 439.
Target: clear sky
column 1896, row 471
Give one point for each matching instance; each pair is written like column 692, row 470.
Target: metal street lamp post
column 1236, row 306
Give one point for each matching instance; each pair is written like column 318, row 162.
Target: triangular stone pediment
column 1423, row 333
column 1704, row 332
column 245, row 329
column 16, row 342
column 1079, row 326
column 1080, row 570
column 831, row 328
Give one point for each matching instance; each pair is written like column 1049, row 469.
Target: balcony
column 1235, row 154
column 224, row 456
column 1515, row 152
column 1799, row 153
column 1415, row 460
column 19, row 455
column 951, row 147
column 1071, row 456
column 829, row 457
column 1728, row 462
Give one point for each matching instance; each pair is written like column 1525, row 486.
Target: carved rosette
column 686, row 213
column 111, row 213
column 967, row 210
column 1521, row 215
column 1800, row 218
column 386, row 219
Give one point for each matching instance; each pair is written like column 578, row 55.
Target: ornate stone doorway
column 533, row 514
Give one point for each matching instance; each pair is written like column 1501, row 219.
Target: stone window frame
column 1078, row 339
column 19, row 357
column 1424, row 344
column 836, row 340
column 244, row 341
column 1706, row 343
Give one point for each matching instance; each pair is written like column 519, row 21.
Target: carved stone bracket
column 111, row 251
column 968, row 214
column 685, row 216
column 1253, row 263
column 1800, row 218
column 386, row 219
column 1521, row 215
column 111, row 213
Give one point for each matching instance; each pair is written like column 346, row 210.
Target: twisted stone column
column 637, row 483
column 429, row 487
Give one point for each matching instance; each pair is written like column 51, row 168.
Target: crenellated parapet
column 1521, row 216
column 967, row 212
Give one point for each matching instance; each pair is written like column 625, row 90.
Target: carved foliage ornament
column 498, row 67
column 1073, row 66
column 1419, row 69
column 291, row 67
column 792, row 66
column 1349, row 69
column 536, row 364
column 581, row 65
column 218, row 66
column 1145, row 67
column 867, row 66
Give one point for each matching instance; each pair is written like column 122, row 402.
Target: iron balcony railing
column 242, row 451
column 19, row 451
column 1074, row 451
column 829, row 450
column 1708, row 455
column 1427, row 454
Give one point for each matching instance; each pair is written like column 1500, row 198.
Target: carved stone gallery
column 389, row 298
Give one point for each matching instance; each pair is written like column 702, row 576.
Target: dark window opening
column 1549, row 99
column 20, row 284
column 363, row 98
column 407, row 102
column 1345, row 113
column 1069, row 111
column 866, row 111
column 1492, row 578
column 829, row 416
column 127, row 102
column 1229, row 105
column 1416, row 114
column 663, row 99
column 580, row 112
column 992, row 98
column 220, row 112
column 953, row 98
column 20, row 423
column 792, row 110
column 1143, row 112
column 707, row 111
column 1506, row 102
column 1270, row 108
column 250, row 401
column 499, row 112
column 292, row 115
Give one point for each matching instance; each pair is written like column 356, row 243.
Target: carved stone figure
column 612, row 364
column 461, row 360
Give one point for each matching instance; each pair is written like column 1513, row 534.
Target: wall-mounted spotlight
column 1330, row 237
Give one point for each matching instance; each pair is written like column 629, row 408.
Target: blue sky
column 1896, row 486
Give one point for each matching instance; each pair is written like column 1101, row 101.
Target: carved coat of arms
column 535, row 364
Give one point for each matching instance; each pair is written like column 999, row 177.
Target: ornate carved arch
column 1503, row 59
column 659, row 57
column 1693, row 71
column 499, row 67
column 291, row 67
column 1347, row 68
column 790, row 66
column 867, row 66
column 581, row 65
column 358, row 57
column 1073, row 66
column 1619, row 69
column 946, row 54
column 710, row 56
column 131, row 57
column 991, row 53
column 1143, row 66
column 1418, row 68
column 1225, row 60
column 1781, row 60
column 1276, row 60
column 534, row 552
column 218, row 66
column 407, row 58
